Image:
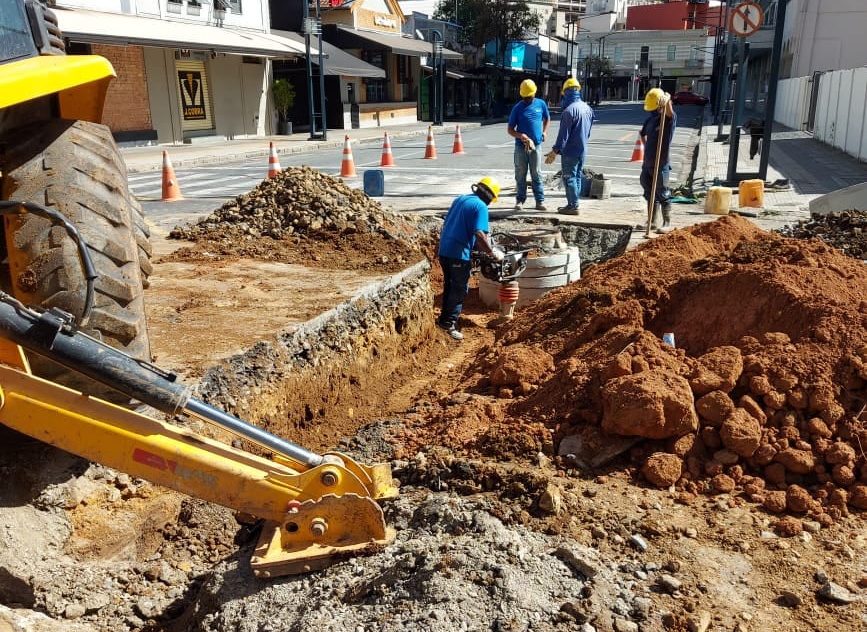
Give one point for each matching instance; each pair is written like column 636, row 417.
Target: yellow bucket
column 718, row 201
column 751, row 193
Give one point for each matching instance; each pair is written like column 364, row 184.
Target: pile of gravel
column 298, row 201
column 845, row 230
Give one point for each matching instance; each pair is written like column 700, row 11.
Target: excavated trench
column 483, row 544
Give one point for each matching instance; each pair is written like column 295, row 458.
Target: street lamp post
column 437, row 76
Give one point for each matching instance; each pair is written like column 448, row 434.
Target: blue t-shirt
column 528, row 119
column 467, row 215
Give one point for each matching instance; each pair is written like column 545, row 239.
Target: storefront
column 371, row 31
column 178, row 81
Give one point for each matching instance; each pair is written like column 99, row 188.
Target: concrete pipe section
column 564, row 250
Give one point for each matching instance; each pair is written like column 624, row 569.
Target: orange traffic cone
column 458, row 147
column 273, row 162
column 638, row 151
column 387, row 158
column 347, row 168
column 171, row 190
column 430, row 152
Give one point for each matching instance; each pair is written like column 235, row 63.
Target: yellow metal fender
column 80, row 81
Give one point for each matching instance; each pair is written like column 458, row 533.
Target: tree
column 498, row 21
column 284, row 97
column 483, row 21
column 597, row 66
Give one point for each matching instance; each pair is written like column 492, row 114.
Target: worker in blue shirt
column 465, row 227
column 528, row 124
column 576, row 121
column 656, row 101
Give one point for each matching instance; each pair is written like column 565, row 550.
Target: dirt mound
column 303, row 216
column 845, row 230
column 765, row 390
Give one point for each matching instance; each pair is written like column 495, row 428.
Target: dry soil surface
column 564, row 471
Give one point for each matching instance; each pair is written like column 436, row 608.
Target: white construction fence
column 834, row 110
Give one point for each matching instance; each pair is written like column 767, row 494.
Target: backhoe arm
column 317, row 506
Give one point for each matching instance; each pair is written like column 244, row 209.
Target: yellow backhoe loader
column 75, row 254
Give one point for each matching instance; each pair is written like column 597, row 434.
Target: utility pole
column 313, row 28
column 724, row 87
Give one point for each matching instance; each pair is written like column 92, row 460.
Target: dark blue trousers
column 456, row 284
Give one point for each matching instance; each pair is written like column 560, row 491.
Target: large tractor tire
column 75, row 168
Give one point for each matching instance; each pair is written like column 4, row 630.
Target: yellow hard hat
column 651, row 101
column 528, row 88
column 571, row 82
column 491, row 185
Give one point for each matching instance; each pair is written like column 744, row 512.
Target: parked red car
column 688, row 98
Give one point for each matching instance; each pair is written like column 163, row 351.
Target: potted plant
column 284, row 98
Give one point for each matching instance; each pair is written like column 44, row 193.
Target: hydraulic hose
column 59, row 219
column 53, row 335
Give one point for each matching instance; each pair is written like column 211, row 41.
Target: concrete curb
column 302, row 148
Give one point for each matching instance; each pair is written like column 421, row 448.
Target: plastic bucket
column 718, row 201
column 586, row 181
column 751, row 193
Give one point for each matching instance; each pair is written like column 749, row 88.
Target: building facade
column 371, row 31
column 184, row 68
column 824, row 35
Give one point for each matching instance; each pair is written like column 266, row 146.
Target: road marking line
column 626, row 136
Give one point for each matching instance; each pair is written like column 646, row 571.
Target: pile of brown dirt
column 764, row 395
column 303, row 216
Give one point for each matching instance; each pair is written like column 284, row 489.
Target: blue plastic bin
column 374, row 182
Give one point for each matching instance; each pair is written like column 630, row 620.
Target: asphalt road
column 416, row 184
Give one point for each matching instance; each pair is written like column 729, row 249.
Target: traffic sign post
column 746, row 19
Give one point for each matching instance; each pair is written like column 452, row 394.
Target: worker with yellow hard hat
column 528, row 124
column 576, row 120
column 657, row 102
column 465, row 228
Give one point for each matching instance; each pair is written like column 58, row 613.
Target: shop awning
column 337, row 62
column 347, row 37
column 454, row 73
column 97, row 27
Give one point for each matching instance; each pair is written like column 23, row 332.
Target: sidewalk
column 215, row 151
column 811, row 167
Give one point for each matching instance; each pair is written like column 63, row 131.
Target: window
column 174, row 6
column 404, row 75
column 693, row 54
column 376, row 90
column 234, row 6
column 618, row 54
column 374, row 57
column 672, row 52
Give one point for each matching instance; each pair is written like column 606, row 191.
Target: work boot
column 449, row 328
column 654, row 223
column 540, row 206
column 519, row 206
column 666, row 220
column 568, row 210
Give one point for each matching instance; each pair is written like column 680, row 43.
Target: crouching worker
column 465, row 228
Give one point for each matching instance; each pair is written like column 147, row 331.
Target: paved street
column 426, row 186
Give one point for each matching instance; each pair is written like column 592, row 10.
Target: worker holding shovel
column 655, row 169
